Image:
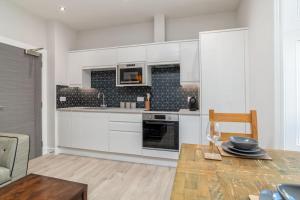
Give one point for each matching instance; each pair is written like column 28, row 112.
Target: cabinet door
column 74, row 68
column 90, row 131
column 125, row 142
column 189, row 129
column 98, row 58
column 132, row 54
column 64, row 132
column 163, row 53
column 189, row 63
column 223, row 62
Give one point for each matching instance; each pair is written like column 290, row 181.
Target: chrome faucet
column 103, row 105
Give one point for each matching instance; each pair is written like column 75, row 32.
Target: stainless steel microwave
column 131, row 74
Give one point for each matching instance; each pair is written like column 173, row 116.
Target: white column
column 159, row 28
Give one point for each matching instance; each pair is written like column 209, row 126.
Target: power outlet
column 62, row 99
column 140, row 99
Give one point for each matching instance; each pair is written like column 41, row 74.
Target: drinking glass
column 213, row 133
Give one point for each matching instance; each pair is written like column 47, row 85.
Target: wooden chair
column 235, row 117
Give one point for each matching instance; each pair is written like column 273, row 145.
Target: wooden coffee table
column 36, row 187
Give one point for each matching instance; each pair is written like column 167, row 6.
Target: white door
column 223, row 63
column 291, row 68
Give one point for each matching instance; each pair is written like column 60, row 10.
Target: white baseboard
column 118, row 157
column 47, row 150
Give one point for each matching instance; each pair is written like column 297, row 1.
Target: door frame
column 279, row 135
column 45, row 96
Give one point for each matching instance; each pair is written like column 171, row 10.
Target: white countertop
column 105, row 110
column 124, row 110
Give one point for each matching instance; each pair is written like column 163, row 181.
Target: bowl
column 243, row 142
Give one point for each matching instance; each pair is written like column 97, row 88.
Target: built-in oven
column 161, row 131
column 131, row 74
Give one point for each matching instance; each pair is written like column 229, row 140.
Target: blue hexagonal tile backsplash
column 166, row 92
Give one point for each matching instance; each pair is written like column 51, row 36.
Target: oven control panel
column 160, row 117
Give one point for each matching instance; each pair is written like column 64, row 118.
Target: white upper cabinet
column 224, row 73
column 98, row 58
column 75, row 68
column 163, row 53
column 189, row 63
column 92, row 59
column 131, row 54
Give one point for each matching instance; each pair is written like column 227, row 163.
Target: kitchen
column 149, row 99
column 114, row 95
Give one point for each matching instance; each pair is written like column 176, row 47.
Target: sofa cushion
column 4, row 175
column 2, row 151
column 8, row 147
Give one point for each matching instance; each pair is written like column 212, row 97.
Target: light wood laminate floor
column 108, row 180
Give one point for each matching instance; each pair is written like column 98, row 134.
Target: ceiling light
column 62, row 8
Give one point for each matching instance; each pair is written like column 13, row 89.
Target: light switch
column 62, row 99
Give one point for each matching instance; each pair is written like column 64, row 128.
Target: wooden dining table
column 232, row 178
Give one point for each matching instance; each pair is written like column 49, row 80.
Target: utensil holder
column 147, row 105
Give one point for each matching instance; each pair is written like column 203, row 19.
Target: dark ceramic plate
column 243, row 142
column 269, row 195
column 252, row 155
column 230, row 146
column 289, row 191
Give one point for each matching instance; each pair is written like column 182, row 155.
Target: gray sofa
column 14, row 156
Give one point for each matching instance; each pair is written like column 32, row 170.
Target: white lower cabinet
column 125, row 133
column 83, row 130
column 189, row 129
column 90, row 131
column 125, row 142
column 117, row 133
column 64, row 129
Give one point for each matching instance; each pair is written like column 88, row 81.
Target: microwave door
column 131, row 76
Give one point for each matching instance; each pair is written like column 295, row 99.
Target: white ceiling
column 90, row 14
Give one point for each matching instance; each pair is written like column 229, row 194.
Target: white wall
column 176, row 29
column 19, row 25
column 258, row 15
column 189, row 27
column 115, row 36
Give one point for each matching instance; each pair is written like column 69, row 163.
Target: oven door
column 131, row 75
column 161, row 135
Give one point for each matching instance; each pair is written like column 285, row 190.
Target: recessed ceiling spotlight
column 62, row 9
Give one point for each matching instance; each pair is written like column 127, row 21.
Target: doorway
column 20, row 95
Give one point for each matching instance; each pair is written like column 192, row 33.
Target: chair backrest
column 250, row 118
